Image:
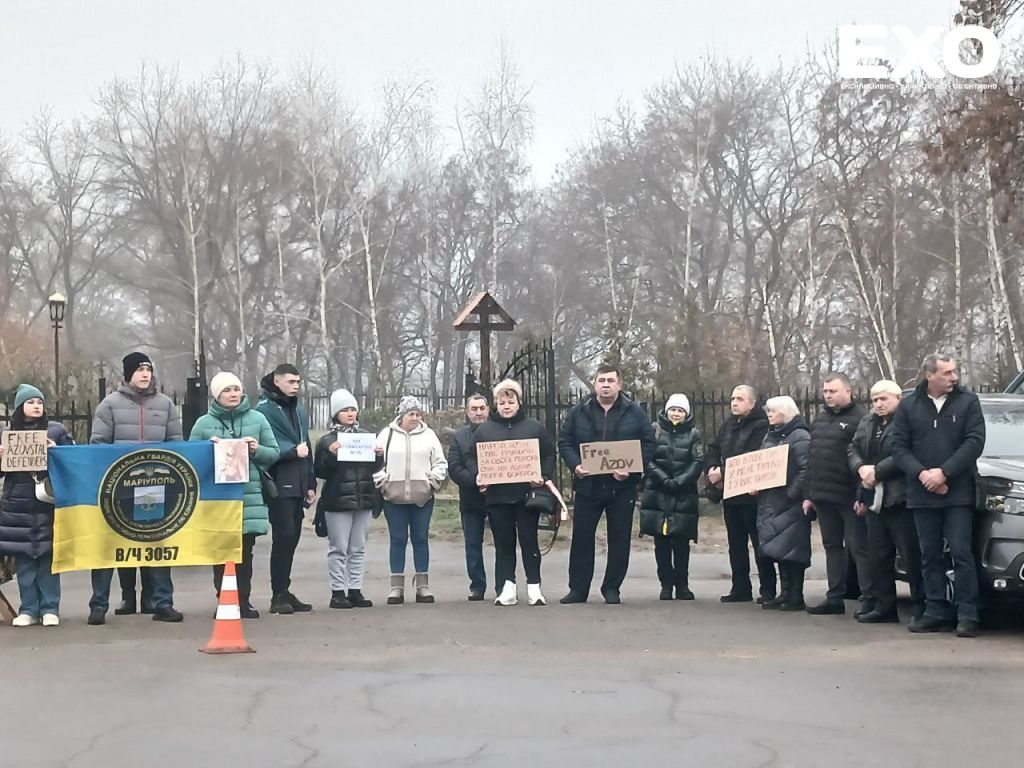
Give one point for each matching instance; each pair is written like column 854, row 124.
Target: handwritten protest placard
column 756, row 471
column 356, row 446
column 508, row 461
column 612, row 456
column 24, row 451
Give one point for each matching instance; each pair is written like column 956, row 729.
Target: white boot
column 534, row 595
column 508, row 594
column 51, row 620
column 24, row 620
column 396, row 595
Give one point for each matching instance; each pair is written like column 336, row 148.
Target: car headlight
column 1009, row 505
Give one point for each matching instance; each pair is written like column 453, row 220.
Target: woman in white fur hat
column 231, row 417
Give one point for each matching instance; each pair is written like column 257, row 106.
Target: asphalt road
column 460, row 684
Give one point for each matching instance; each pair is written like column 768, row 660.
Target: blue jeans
column 163, row 588
column 407, row 521
column 38, row 584
column 955, row 525
column 473, row 525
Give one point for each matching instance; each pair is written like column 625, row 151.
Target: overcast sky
column 579, row 56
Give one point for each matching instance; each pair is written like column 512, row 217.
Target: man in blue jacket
column 938, row 435
column 607, row 415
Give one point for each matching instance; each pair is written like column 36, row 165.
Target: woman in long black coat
column 783, row 530
column 26, row 523
column 669, row 507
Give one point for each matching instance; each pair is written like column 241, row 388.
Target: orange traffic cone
column 227, row 627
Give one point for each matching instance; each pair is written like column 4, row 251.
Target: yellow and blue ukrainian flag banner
column 142, row 504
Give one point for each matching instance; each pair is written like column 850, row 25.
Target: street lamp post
column 57, row 303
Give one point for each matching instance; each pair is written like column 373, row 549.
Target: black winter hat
column 133, row 361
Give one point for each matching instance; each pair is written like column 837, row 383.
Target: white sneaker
column 534, row 596
column 508, row 594
column 24, row 620
column 51, row 620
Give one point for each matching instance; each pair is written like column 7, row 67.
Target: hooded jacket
column 131, row 416
column 293, row 475
column 783, row 530
column 519, row 427
column 414, row 466
column 670, row 487
column 232, row 424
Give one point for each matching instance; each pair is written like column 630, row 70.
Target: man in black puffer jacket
column 606, row 415
column 462, row 469
column 742, row 433
column 831, row 488
column 938, row 435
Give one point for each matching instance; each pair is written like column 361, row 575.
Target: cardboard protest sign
column 355, row 446
column 756, row 471
column 231, row 461
column 614, row 456
column 508, row 461
column 24, row 450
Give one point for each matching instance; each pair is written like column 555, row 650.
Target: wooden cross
column 486, row 310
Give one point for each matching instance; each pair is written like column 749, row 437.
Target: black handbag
column 542, row 502
column 268, row 486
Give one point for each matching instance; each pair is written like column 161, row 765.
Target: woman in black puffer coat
column 669, row 506
column 26, row 524
column 783, row 530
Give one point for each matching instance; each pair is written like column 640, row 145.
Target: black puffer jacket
column 782, row 528
column 736, row 437
column 670, row 487
column 867, row 448
column 951, row 440
column 588, row 422
column 519, row 427
column 26, row 524
column 829, row 479
column 349, row 484
column 462, row 468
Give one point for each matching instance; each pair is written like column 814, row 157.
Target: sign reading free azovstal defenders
column 756, row 471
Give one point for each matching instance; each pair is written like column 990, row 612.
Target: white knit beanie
column 508, row 385
column 341, row 399
column 222, row 381
column 678, row 401
column 406, row 404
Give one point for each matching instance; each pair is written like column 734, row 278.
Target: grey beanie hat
column 341, row 399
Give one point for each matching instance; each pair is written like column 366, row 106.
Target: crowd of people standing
column 897, row 478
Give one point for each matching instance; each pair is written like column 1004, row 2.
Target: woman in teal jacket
column 232, row 418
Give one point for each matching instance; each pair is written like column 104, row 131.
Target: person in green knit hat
column 231, row 417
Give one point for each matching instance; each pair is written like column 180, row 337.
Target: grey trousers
column 841, row 528
column 346, row 553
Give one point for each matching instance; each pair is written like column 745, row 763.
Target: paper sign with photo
column 231, row 461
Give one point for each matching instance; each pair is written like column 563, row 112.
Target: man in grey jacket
column 135, row 413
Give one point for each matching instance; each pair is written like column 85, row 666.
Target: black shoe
column 930, row 624
column 828, row 608
column 877, row 617
column 355, row 596
column 97, row 617
column 573, row 597
column 794, row 605
column 127, row 607
column 297, row 605
column 339, row 600
column 147, row 608
column 866, row 606
column 773, row 604
column 248, row 612
column 279, row 604
column 475, row 596
column 611, row 596
column 684, row 593
column 967, row 628
column 762, row 599
column 666, row 593
column 731, row 598
column 168, row 614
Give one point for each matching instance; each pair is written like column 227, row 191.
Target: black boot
column 794, row 595
column 355, row 596
column 666, row 593
column 280, row 604
column 775, row 603
column 339, row 600
column 128, row 605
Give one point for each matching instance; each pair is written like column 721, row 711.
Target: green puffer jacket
column 244, row 421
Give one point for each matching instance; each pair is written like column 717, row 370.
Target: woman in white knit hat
column 414, row 467
column 231, row 417
column 669, row 507
column 346, row 504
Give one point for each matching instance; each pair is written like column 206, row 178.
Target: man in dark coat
column 462, row 469
column 891, row 527
column 831, row 488
column 938, row 435
column 294, row 477
column 607, row 415
column 742, row 433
